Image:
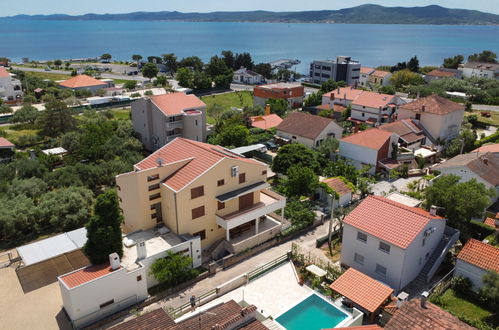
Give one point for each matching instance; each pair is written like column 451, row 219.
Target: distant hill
column 365, row 14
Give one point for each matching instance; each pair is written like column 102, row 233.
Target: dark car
column 271, row 145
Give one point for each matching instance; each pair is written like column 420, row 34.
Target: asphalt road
column 103, row 75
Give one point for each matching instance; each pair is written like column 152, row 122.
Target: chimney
column 267, row 109
column 485, row 160
column 424, row 299
column 402, row 298
column 141, row 250
column 433, row 210
column 114, row 260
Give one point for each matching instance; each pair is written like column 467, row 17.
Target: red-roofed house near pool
column 395, row 243
column 160, row 119
column 83, row 82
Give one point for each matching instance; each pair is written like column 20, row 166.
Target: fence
column 442, row 285
column 268, row 266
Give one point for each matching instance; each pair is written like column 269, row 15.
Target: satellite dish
column 159, row 161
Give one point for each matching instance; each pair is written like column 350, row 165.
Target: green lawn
column 14, row 132
column 47, row 75
column 493, row 120
column 122, row 114
column 120, row 81
column 228, row 100
column 461, row 306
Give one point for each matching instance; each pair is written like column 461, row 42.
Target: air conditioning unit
column 234, row 171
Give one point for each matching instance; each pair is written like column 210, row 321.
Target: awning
column 317, row 271
column 242, row 191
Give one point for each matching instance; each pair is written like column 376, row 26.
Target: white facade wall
column 296, row 139
column 332, row 130
column 474, row 273
column 119, row 285
column 359, row 155
column 443, row 126
column 483, row 73
column 363, row 79
column 402, row 265
column 10, row 89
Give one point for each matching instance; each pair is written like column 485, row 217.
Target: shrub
column 148, row 93
column 461, row 284
column 480, row 230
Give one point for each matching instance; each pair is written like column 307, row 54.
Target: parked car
column 271, row 145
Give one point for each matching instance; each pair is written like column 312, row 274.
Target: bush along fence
column 227, row 287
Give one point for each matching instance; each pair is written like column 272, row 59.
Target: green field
column 227, row 101
column 47, row 75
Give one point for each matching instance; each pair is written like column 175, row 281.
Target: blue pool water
column 313, row 313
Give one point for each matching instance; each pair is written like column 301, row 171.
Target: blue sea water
column 371, row 44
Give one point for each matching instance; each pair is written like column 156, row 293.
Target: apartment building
column 291, row 92
column 202, row 190
column 342, row 69
column 160, row 119
column 395, row 243
column 10, row 88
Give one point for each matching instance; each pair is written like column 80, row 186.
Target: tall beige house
column 203, row 190
column 160, row 119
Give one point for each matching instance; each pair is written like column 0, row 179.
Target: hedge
column 482, row 229
column 491, row 138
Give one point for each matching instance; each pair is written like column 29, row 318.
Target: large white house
column 245, row 76
column 440, row 117
column 480, row 69
column 10, row 88
column 475, row 260
column 308, row 129
column 394, row 243
column 481, row 166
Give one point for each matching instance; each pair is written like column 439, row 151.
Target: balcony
column 269, row 202
column 174, row 124
column 173, row 137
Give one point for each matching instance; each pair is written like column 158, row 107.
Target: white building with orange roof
column 84, row 82
column 160, row 119
column 201, row 190
column 10, row 88
column 379, row 77
column 475, row 260
column 365, row 72
column 395, row 243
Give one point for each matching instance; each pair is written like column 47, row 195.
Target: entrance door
column 245, row 201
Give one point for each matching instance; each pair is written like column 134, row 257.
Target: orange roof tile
column 3, row 72
column 433, row 104
column 199, row 158
column 389, row 221
column 381, row 74
column 373, row 138
column 338, row 185
column 86, row 274
column 373, row 100
column 361, row 327
column 81, row 81
column 439, row 73
column 491, row 223
column 348, row 93
column 266, row 122
column 366, row 70
column 4, row 143
column 488, row 148
column 175, row 103
column 482, row 255
column 362, row 289
column 304, row 124
column 407, row 129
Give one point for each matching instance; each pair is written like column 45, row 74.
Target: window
column 361, row 237
column 196, row 122
column 220, row 182
column 221, row 205
column 155, row 196
column 384, row 247
column 201, row 234
column 242, row 178
column 380, row 270
column 358, row 259
column 153, row 177
column 363, row 114
column 139, row 278
column 154, row 216
column 264, row 172
column 107, row 303
column 424, row 241
column 154, row 187
column 197, row 192
column 197, row 212
column 294, row 137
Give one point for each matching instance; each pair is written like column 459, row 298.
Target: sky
column 76, row 7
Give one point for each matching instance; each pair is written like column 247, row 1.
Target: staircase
column 271, row 325
column 215, row 249
column 423, row 275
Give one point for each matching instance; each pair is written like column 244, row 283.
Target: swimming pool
column 312, row 313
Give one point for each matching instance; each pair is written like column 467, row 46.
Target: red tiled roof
column 4, row 143
column 389, row 221
column 175, row 103
column 439, row 73
column 373, row 138
column 81, row 81
column 488, row 148
column 304, row 124
column 266, row 122
column 361, row 327
column 491, row 223
column 4, row 73
column 485, row 165
column 86, row 274
column 373, row 100
column 366, row 70
column 433, row 104
column 379, row 73
column 338, row 185
column 406, row 129
column 362, row 289
column 156, row 320
column 482, row 255
column 348, row 93
column 412, row 316
column 199, row 158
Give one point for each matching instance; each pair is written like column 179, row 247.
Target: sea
column 371, row 44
